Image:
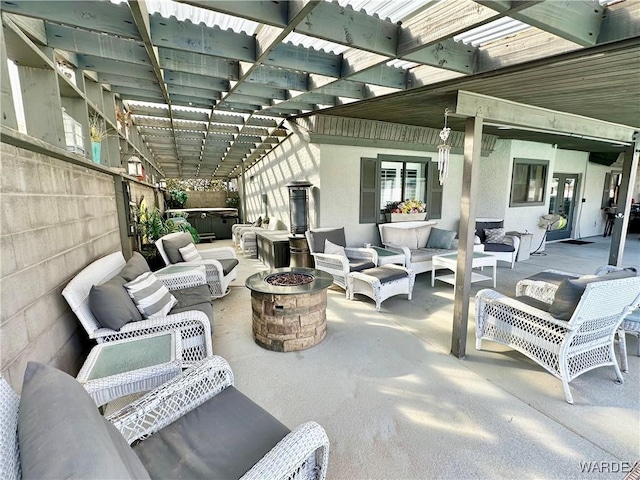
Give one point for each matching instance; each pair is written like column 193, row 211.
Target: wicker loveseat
column 194, row 322
column 568, row 336
column 197, row 425
column 419, row 242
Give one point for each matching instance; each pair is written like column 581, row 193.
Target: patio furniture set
column 154, row 335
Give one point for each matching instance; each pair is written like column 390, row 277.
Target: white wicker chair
column 194, row 326
column 337, row 265
column 301, row 454
column 216, row 278
column 566, row 349
column 546, row 290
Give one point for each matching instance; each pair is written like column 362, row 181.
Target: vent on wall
column 604, row 158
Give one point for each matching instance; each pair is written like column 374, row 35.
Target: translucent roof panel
column 393, row 10
column 495, row 30
column 181, row 11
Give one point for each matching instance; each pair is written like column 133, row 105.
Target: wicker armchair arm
column 218, row 253
column 291, row 455
column 512, row 240
column 336, row 262
column 173, row 399
column 179, row 280
column 541, row 290
column 362, row 253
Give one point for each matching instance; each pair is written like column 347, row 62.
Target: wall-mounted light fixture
column 134, row 166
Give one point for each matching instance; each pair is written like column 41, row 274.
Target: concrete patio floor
column 396, row 405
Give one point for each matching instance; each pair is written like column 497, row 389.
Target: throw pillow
column 258, row 222
column 333, row 249
column 494, row 235
column 63, row 435
column 151, row 296
column 190, row 253
column 439, row 238
column 570, row 292
column 111, row 305
column 173, row 245
column 134, row 267
column 318, row 238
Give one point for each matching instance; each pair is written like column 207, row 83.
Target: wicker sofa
column 567, row 333
column 419, row 242
column 194, row 321
column 197, row 425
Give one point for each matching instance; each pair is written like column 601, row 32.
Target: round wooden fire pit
column 289, row 308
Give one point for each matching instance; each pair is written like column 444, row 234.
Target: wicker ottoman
column 381, row 283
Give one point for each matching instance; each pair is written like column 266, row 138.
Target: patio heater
column 299, row 220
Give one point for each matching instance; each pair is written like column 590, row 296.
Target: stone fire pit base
column 288, row 323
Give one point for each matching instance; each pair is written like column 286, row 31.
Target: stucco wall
column 336, row 191
column 294, row 159
column 524, row 219
column 55, row 219
column 340, row 192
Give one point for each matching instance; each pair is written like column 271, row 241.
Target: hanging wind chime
column 443, row 150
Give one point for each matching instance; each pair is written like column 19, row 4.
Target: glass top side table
column 116, row 369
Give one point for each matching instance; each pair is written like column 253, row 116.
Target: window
column 396, row 178
column 528, row 182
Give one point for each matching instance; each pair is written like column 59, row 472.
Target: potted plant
column 98, row 132
column 177, row 199
column 152, row 226
column 409, row 210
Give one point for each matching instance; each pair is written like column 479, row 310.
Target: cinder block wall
column 55, row 219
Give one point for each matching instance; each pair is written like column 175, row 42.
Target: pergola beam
column 517, row 114
column 578, row 21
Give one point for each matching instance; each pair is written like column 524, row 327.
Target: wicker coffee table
column 450, row 261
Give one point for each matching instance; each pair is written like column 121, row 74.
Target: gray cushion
column 134, row 267
column 570, row 292
column 228, row 264
column 359, row 265
column 111, row 304
column 204, row 307
column 534, row 302
column 173, row 245
column 62, row 434
column 498, row 247
column 547, row 277
column 426, row 254
column 440, row 238
column 481, row 226
column 221, row 439
column 385, row 274
column 193, row 298
column 334, row 236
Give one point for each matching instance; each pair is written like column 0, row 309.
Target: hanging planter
column 95, row 151
column 98, row 132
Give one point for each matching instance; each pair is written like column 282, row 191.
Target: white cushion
column 151, row 296
column 190, row 253
column 333, row 249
